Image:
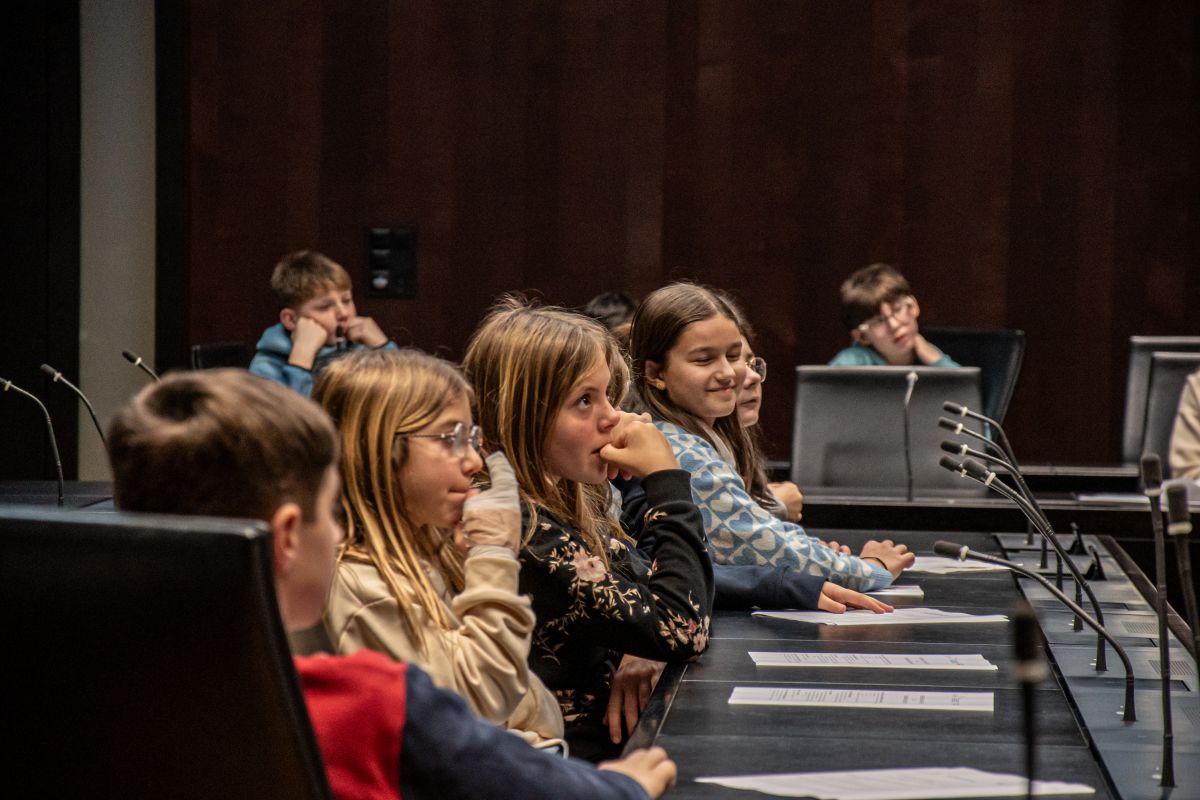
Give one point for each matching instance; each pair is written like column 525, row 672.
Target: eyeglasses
column 901, row 312
column 759, row 366
column 457, row 439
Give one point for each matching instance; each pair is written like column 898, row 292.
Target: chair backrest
column 212, row 355
column 1168, row 374
column 848, row 428
column 1137, row 386
column 148, row 660
column 998, row 352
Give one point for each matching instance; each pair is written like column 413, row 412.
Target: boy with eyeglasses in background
column 881, row 314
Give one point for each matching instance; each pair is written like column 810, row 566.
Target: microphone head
column 1179, row 519
column 954, row 408
column 1025, row 627
column 949, row 463
column 1151, row 467
column 956, row 448
column 1029, row 667
column 950, row 549
column 950, row 425
column 976, row 470
column 51, row 371
column 130, row 357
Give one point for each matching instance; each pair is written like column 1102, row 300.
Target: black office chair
column 1137, row 386
column 848, row 428
column 1168, row 374
column 998, row 353
column 212, row 355
column 148, row 660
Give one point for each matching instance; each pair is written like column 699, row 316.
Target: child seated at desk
column 228, row 443
column 880, row 311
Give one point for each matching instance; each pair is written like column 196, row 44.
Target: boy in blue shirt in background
column 881, row 313
column 317, row 321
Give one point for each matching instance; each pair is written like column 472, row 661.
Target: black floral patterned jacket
column 587, row 616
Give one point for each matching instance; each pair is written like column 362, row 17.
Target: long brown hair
column 756, row 481
column 523, row 361
column 372, row 395
column 659, row 322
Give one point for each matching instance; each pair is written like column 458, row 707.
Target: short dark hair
column 219, row 443
column 302, row 275
column 868, row 288
column 610, row 309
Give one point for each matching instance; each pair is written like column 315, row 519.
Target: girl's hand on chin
column 637, row 447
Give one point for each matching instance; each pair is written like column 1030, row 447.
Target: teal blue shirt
column 857, row 355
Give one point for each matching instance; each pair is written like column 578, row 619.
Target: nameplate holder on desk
column 940, row 565
column 918, row 783
column 903, row 590
column 901, row 616
column 862, row 698
column 873, row 660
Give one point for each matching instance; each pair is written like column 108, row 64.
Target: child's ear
column 654, row 374
column 288, row 317
column 285, row 536
column 858, row 336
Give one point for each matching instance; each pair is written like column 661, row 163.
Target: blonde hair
column 659, row 322
column 372, row 395
column 523, row 361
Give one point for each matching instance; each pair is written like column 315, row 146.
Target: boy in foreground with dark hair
column 881, row 314
column 317, row 321
column 227, row 443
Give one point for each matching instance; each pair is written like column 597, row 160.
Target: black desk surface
column 691, row 717
column 76, row 494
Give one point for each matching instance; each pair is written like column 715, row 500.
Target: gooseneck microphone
column 49, row 429
column 970, row 468
column 1151, row 468
column 1030, row 670
column 1179, row 525
column 963, row 411
column 962, row 552
column 911, row 378
column 57, row 377
column 137, row 361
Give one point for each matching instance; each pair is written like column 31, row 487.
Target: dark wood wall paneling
column 1027, row 165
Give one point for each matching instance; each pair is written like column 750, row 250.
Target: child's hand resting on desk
column 631, row 688
column 637, row 448
column 895, row 558
column 650, row 767
column 835, row 599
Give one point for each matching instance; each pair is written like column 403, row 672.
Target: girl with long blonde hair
column 412, row 580
column 547, row 384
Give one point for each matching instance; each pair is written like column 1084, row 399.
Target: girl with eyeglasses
column 881, row 314
column 686, row 347
column 548, row 384
column 428, row 572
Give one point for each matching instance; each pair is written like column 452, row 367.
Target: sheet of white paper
column 941, row 565
column 871, row 698
column 896, row 784
column 901, row 616
column 904, row 590
column 873, row 660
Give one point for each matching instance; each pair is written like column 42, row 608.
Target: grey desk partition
column 848, row 428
